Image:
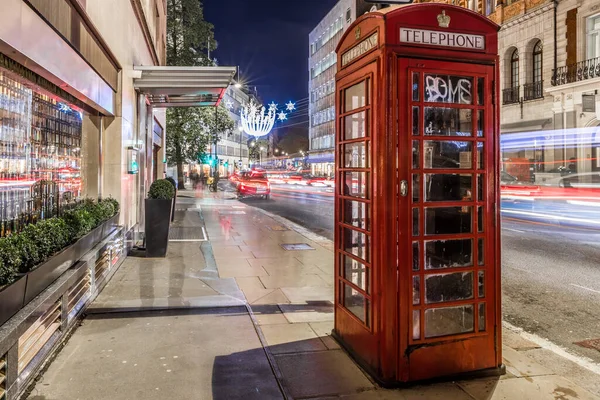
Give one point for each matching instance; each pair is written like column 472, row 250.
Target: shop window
column 593, row 36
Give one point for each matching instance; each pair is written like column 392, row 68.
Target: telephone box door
column 448, row 270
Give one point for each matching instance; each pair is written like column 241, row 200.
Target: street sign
column 240, row 164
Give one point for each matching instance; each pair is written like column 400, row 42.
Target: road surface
column 550, row 277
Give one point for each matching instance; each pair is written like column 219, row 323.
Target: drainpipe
column 555, row 36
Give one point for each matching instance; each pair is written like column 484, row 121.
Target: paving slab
column 329, row 373
column 184, row 355
column 317, row 311
column 550, row 387
column 292, row 279
column 291, row 338
column 276, row 296
column 516, row 341
column 520, row 365
column 304, row 294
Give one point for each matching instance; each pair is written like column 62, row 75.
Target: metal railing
column 533, row 90
column 510, row 95
column 579, row 71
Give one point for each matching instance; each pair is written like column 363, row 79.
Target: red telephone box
column 417, row 201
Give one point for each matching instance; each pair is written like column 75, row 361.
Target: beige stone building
column 83, row 91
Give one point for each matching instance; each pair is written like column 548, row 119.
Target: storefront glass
column 40, row 154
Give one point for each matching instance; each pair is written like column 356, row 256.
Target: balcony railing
column 580, row 71
column 533, row 90
column 510, row 95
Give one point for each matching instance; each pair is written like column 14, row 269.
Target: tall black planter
column 158, row 219
column 173, row 206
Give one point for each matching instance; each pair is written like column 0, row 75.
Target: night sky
column 268, row 39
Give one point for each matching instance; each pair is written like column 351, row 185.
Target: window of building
column 593, row 36
column 348, row 16
column 537, row 62
column 514, row 69
column 489, row 6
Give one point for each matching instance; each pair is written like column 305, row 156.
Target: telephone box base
column 395, row 384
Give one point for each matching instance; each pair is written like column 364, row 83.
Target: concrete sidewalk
column 240, row 317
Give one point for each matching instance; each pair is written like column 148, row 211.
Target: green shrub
column 50, row 236
column 114, row 202
column 30, row 255
column 10, row 261
column 79, row 222
column 106, row 209
column 161, row 189
column 92, row 208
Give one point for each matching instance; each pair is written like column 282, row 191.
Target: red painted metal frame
column 384, row 344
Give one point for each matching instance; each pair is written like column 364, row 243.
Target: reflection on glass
column 355, row 96
column 356, row 214
column 415, row 252
column 415, row 120
column 448, row 89
column 355, row 184
column 415, row 222
column 355, row 126
column 479, row 187
column 480, row 91
column 356, row 272
column 416, row 290
column 415, row 86
column 447, row 220
column 415, row 154
column 448, row 253
column 448, row 187
column 448, row 287
column 480, row 252
column 356, row 243
column 480, row 284
column 480, row 123
column 447, row 121
column 416, row 188
column 448, row 321
column 356, row 303
column 479, row 219
column 356, row 155
column 447, row 154
column 481, row 317
column 480, row 156
column 416, row 323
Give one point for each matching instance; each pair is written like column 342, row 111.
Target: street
column 550, row 276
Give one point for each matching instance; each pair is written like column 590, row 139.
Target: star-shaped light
column 229, row 104
column 290, row 106
column 272, row 106
column 282, row 116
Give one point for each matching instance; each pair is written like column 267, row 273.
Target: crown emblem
column 443, row 19
column 357, row 33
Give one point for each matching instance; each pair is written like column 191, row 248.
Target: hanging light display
column 256, row 120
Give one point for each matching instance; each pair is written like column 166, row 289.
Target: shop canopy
column 167, row 86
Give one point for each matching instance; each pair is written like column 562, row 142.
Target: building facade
column 233, row 148
column 322, row 59
column 73, row 126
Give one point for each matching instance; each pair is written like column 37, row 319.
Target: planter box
column 45, row 274
column 12, row 298
column 158, row 219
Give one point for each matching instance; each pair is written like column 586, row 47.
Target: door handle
column 403, row 188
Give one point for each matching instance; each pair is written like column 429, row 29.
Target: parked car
column 253, row 184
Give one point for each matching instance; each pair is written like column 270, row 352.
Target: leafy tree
column 254, row 146
column 191, row 130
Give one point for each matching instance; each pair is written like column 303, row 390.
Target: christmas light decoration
column 272, row 106
column 229, row 104
column 282, row 116
column 290, row 106
column 256, row 121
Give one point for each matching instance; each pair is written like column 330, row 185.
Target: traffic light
column 211, row 161
column 226, row 164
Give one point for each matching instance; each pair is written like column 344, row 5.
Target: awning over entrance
column 167, row 86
